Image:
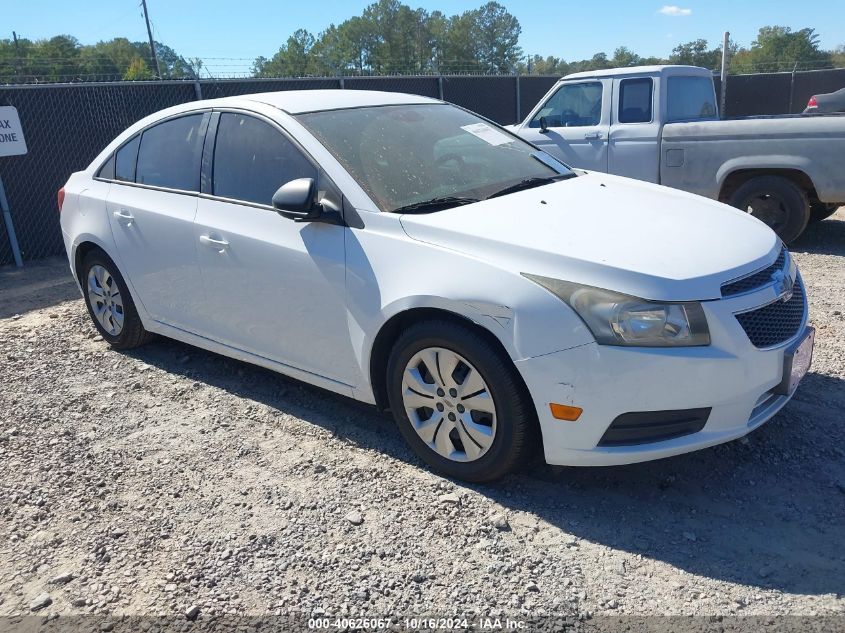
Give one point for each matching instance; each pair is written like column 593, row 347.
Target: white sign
column 487, row 133
column 11, row 132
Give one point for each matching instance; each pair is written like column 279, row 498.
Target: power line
column 152, row 43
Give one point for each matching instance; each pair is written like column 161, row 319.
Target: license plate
column 797, row 363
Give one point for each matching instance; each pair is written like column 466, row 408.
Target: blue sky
column 568, row 29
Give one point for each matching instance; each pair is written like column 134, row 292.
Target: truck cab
column 611, row 120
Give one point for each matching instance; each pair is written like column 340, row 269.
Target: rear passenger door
column 577, row 117
column 634, row 148
column 151, row 205
column 274, row 287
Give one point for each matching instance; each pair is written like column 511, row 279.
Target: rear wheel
column 459, row 402
column 109, row 303
column 820, row 210
column 778, row 202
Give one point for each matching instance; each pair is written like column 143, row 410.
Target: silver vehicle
column 660, row 124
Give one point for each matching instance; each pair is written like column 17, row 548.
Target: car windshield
column 421, row 158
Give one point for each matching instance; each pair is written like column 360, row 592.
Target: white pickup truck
column 660, row 124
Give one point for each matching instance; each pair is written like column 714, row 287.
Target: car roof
column 299, row 101
column 664, row 69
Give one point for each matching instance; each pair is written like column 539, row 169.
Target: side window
column 107, row 170
column 573, row 105
column 170, row 154
column 690, row 98
column 635, row 100
column 252, row 159
column 124, row 164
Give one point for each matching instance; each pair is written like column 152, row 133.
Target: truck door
column 577, row 120
column 634, row 143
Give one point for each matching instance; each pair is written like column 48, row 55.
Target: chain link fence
column 67, row 125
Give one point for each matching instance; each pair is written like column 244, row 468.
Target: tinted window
column 252, row 159
column 573, row 105
column 691, row 98
column 107, row 170
column 124, row 167
column 170, row 154
column 635, row 100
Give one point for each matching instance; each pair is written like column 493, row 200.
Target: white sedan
column 410, row 254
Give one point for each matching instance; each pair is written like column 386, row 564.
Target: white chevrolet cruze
column 408, row 253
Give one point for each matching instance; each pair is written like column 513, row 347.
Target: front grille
column 644, row 427
column 754, row 280
column 777, row 322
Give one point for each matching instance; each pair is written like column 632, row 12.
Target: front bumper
column 731, row 377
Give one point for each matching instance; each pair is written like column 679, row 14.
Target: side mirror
column 544, row 125
column 297, row 201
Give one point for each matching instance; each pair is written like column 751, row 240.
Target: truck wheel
column 819, row 211
column 778, row 202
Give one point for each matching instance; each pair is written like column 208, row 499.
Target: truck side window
column 573, row 105
column 635, row 100
column 690, row 98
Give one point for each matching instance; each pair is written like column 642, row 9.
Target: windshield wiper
column 529, row 183
column 435, row 204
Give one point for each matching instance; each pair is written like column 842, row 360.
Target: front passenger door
column 274, row 287
column 577, row 117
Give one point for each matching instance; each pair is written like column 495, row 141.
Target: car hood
column 610, row 232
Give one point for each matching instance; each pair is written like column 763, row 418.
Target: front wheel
column 459, row 402
column 778, row 202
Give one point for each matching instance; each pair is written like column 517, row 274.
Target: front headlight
column 618, row 319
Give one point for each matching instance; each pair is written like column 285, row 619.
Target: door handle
column 220, row 245
column 592, row 136
column 124, row 215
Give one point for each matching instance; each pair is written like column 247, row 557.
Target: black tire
column 132, row 333
column 516, row 419
column 779, row 202
column 820, row 210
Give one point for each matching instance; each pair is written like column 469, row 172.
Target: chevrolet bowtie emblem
column 782, row 284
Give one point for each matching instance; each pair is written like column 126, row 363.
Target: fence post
column 342, row 84
column 792, row 88
column 724, row 74
column 198, row 90
column 518, row 102
column 440, row 86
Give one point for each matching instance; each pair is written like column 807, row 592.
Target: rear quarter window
column 124, row 164
column 107, row 169
column 690, row 98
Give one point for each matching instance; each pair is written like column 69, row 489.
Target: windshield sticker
column 487, row 133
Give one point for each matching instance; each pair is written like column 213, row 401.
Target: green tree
column 497, row 35
column 624, row 56
column 292, row 60
column 138, row 70
column 780, row 48
column 698, row 53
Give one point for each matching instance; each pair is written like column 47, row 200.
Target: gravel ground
column 170, row 480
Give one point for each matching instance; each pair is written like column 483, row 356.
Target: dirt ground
column 170, row 480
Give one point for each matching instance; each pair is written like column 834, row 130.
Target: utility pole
column 724, row 75
column 17, row 53
column 152, row 43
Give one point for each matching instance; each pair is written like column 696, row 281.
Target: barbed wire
column 37, row 71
